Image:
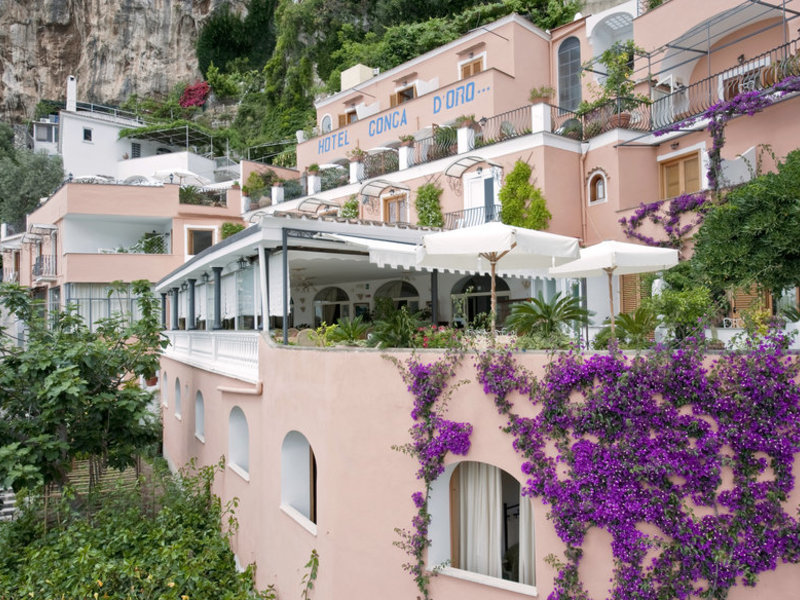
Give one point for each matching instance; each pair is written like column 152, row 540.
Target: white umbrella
column 479, row 249
column 617, row 258
column 183, row 177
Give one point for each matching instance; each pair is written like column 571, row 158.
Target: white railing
column 231, row 353
column 8, row 508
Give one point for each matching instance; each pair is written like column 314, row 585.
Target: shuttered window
column 631, row 288
column 402, row 96
column 681, row 176
column 471, row 68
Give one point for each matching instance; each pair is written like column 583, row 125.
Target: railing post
column 540, row 118
column 466, row 139
column 405, row 157
column 356, row 171
column 277, row 194
column 314, row 184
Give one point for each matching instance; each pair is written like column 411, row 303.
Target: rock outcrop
column 115, row 48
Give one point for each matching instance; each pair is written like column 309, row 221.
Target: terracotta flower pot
column 622, row 119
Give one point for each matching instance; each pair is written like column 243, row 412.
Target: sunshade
column 617, row 258
column 483, row 248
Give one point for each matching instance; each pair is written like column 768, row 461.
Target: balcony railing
column 332, row 178
column 232, row 353
column 443, row 143
column 470, row 217
column 10, row 276
column 504, row 126
column 381, row 163
column 44, row 266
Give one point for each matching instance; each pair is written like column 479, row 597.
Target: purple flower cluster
column 670, row 220
column 432, row 438
column 642, row 450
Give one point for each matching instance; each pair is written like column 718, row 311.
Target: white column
column 314, row 184
column 540, row 118
column 405, row 156
column 466, row 139
column 356, row 171
column 277, row 194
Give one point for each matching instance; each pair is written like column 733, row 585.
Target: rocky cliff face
column 115, row 48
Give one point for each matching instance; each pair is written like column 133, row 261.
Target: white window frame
column 461, row 63
column 495, row 173
column 297, row 495
column 200, row 411
column 91, row 135
column 239, row 444
column 187, row 228
column 178, row 406
column 596, row 173
column 322, row 123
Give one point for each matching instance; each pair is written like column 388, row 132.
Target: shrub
column 546, row 317
column 522, row 203
column 229, row 229
column 195, row 94
column 349, row 208
column 429, row 210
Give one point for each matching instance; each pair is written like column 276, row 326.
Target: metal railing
column 194, row 195
column 10, row 276
column 293, row 189
column 470, row 217
column 333, row 178
column 443, row 143
column 505, row 126
column 44, row 266
column 151, row 243
column 380, row 163
column 112, row 111
column 8, row 505
column 94, row 309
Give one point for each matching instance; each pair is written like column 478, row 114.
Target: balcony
column 230, row 353
column 44, row 267
column 470, row 217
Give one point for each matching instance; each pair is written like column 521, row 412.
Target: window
column 403, row 95
column 680, row 176
column 569, row 74
column 326, row 124
column 630, row 293
column 177, row 398
column 199, row 417
column 136, row 150
column 198, row 240
column 87, row 134
column 299, row 475
column 350, row 116
column 44, row 133
column 597, row 188
column 489, row 524
column 238, row 442
column 401, row 293
column 472, row 67
column 472, row 299
column 330, row 305
column 164, row 389
column 395, row 209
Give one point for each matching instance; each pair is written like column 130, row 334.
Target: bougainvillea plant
column 668, row 215
column 432, row 437
column 718, row 115
column 195, row 94
column 701, row 454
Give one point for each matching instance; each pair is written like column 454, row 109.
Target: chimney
column 72, row 92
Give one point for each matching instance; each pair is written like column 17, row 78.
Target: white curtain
column 481, row 504
column 228, row 291
column 527, row 568
column 276, row 286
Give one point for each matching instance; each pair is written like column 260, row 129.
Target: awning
column 381, row 252
column 457, row 168
column 373, row 189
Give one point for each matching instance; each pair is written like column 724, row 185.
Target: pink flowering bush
column 195, row 94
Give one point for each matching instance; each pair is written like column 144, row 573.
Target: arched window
column 177, row 398
column 472, row 297
column 238, row 442
column 481, row 523
column 299, row 475
column 326, row 124
column 597, row 188
column 401, row 293
column 199, row 417
column 330, row 305
column 569, row 74
column 164, row 389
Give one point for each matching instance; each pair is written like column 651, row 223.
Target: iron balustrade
column 505, row 126
column 380, row 163
column 470, row 217
column 443, row 143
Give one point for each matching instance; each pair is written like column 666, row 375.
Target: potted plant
column 592, row 128
column 357, row 155
column 407, row 140
column 540, row 94
column 617, row 88
column 465, row 121
column 313, row 169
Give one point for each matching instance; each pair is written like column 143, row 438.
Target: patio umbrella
column 480, row 249
column 617, row 258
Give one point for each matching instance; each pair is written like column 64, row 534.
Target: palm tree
column 545, row 317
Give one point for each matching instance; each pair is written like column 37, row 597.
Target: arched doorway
column 472, row 300
column 330, row 305
column 401, row 293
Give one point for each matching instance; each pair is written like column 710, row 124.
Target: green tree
column 25, row 178
column 522, row 203
column 751, row 239
column 69, row 392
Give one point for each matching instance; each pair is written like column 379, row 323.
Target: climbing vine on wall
column 432, row 437
column 668, row 214
column 703, row 455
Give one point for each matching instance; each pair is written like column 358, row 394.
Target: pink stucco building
column 307, row 433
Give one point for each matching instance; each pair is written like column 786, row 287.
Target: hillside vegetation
column 272, row 62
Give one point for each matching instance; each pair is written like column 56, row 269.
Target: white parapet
column 231, row 353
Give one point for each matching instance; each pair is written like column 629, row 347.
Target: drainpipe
column 582, row 180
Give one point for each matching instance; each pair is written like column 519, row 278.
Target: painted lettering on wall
column 454, row 97
column 386, row 123
column 335, row 140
